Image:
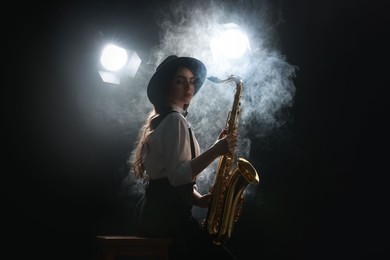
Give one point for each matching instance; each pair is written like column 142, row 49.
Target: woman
column 168, row 157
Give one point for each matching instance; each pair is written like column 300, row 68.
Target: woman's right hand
column 226, row 143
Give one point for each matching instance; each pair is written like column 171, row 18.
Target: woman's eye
column 184, row 81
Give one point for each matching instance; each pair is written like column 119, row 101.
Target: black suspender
column 192, row 144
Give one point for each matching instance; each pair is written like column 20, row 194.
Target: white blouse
column 168, row 150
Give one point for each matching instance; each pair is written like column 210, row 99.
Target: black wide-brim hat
column 158, row 87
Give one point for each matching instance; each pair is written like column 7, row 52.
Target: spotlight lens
column 113, row 57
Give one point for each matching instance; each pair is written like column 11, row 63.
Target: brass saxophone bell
column 248, row 171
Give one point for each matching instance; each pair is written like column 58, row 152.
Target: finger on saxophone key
column 231, row 142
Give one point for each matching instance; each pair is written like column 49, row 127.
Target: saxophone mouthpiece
column 214, row 79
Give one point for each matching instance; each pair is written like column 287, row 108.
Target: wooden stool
column 113, row 246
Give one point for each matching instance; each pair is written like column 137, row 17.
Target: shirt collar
column 179, row 109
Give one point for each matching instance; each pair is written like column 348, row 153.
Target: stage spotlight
column 117, row 62
column 229, row 42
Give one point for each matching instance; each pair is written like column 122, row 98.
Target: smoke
column 185, row 29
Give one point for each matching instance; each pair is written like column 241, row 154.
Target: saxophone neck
column 234, row 78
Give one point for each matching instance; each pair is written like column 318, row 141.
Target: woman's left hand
column 199, row 200
column 203, row 201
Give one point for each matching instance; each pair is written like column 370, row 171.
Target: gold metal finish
column 230, row 182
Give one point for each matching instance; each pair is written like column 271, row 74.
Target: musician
column 167, row 156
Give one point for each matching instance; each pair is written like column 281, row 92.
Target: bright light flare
column 118, row 63
column 113, row 57
column 229, row 42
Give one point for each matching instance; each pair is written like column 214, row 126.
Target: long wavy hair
column 135, row 160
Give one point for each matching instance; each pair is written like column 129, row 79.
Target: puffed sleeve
column 177, row 150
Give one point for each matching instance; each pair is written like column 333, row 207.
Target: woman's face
column 182, row 87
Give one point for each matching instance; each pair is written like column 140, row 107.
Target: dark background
column 328, row 199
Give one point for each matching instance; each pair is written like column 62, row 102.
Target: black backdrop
column 331, row 202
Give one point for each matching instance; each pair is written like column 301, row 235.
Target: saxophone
column 230, row 181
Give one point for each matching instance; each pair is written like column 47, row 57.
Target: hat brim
column 159, row 83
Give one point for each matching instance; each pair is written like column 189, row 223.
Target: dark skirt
column 165, row 211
